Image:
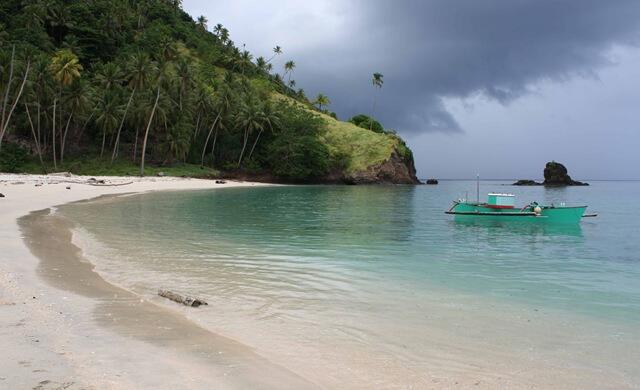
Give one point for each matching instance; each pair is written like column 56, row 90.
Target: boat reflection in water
column 496, row 227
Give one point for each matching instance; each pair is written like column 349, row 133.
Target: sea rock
column 432, row 181
column 527, row 182
column 556, row 174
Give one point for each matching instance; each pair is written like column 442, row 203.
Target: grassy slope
column 363, row 147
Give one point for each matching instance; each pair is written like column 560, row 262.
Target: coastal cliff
column 367, row 157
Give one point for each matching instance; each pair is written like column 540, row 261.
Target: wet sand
column 63, row 326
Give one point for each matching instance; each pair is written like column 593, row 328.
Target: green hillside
column 133, row 87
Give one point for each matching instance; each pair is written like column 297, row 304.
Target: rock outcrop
column 432, row 181
column 527, row 182
column 555, row 174
column 395, row 170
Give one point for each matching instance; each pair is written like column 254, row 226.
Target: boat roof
column 499, row 194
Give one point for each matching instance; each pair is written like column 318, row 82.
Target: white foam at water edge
column 92, row 249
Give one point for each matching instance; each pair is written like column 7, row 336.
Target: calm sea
column 375, row 285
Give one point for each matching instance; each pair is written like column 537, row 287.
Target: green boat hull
column 547, row 214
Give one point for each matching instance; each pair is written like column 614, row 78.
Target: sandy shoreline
column 51, row 329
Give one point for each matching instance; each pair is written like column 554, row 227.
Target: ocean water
column 375, row 287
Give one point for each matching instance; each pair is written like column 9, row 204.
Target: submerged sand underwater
column 330, row 287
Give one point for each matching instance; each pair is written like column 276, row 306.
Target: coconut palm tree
column 289, row 66
column 271, row 118
column 41, row 91
column 140, row 69
column 164, row 74
column 276, row 52
column 65, row 68
column 202, row 22
column 108, row 115
column 261, row 63
column 109, row 76
column 6, row 117
column 217, row 29
column 250, row 118
column 224, row 36
column 79, row 100
column 222, row 104
column 322, row 100
column 377, row 82
column 185, row 77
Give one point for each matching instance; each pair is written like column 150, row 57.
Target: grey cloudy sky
column 496, row 87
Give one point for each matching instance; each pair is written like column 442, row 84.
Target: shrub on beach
column 12, row 158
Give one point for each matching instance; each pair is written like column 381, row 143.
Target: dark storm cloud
column 429, row 50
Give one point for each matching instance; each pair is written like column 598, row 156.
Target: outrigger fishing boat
column 502, row 206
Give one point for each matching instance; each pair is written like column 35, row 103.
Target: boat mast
column 478, row 187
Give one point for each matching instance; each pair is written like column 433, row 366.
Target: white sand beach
column 49, row 335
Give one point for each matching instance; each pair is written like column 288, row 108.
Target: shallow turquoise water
column 367, row 263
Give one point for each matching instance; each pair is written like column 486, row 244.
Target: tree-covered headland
column 130, row 87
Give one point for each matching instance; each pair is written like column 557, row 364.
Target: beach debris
column 186, row 300
column 1, row 195
column 63, row 174
column 161, row 174
column 68, row 187
column 102, row 183
column 221, row 182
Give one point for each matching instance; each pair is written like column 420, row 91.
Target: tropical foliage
column 142, row 82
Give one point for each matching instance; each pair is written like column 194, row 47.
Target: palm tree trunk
column 15, row 103
column 79, row 137
column 213, row 146
column 195, row 134
column 373, row 110
column 244, row 145
column 146, row 133
column 135, row 145
column 255, row 143
column 39, row 136
column 64, row 136
column 53, row 135
column 35, row 139
column 206, row 142
column 104, row 139
column 124, row 116
column 6, row 93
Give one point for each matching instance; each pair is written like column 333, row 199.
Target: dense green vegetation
column 104, row 86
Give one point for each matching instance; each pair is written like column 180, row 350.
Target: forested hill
column 112, row 85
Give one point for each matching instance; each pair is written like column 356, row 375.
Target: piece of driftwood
column 187, row 301
column 101, row 183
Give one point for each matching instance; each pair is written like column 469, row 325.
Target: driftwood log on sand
column 187, row 301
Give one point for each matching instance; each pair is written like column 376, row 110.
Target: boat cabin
column 501, row 201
